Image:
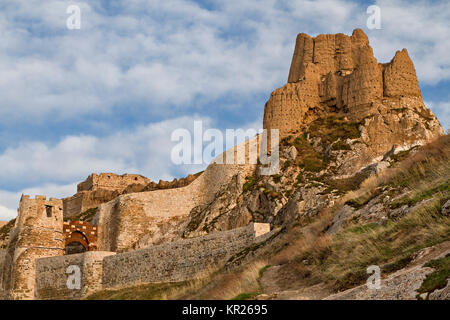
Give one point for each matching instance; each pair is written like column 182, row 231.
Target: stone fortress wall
column 97, row 189
column 172, row 262
column 38, row 232
column 159, row 216
column 111, row 181
column 52, row 275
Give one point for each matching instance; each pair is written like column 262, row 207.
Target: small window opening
column 48, row 209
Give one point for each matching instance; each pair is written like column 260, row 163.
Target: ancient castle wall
column 37, row 233
column 85, row 200
column 97, row 189
column 73, row 205
column 52, row 275
column 111, row 181
column 178, row 261
column 160, row 215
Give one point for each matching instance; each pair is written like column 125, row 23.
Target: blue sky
column 107, row 97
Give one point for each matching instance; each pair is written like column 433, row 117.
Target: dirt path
column 281, row 283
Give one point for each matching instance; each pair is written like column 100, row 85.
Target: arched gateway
column 80, row 236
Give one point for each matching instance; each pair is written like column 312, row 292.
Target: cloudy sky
column 107, row 97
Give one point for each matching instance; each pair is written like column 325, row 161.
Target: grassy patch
column 361, row 201
column 276, row 178
column 341, row 145
column 308, row 158
column 245, row 296
column 153, row 291
column 333, row 128
column 344, row 257
column 416, row 197
column 87, row 216
column 400, row 156
column 437, row 279
column 250, row 183
column 348, row 184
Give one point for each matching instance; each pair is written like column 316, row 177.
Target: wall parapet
column 181, row 260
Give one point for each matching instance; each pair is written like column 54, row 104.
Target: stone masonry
column 37, row 233
column 172, row 262
column 52, row 275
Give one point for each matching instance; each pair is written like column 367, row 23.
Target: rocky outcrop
column 339, row 74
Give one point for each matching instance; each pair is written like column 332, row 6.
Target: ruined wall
column 85, row 200
column 180, row 260
column 98, row 189
column 52, row 276
column 37, row 233
column 111, row 181
column 177, row 261
column 160, row 215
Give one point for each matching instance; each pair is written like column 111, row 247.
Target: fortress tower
column 38, row 232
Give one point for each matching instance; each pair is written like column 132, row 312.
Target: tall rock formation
column 339, row 74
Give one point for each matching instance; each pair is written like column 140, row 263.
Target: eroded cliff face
column 339, row 74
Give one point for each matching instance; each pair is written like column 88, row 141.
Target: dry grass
column 342, row 259
column 303, row 239
column 233, row 284
column 152, row 291
column 429, row 166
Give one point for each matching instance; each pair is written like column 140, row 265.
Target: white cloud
column 238, row 49
column 7, row 214
column 55, row 169
column 144, row 150
column 442, row 111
